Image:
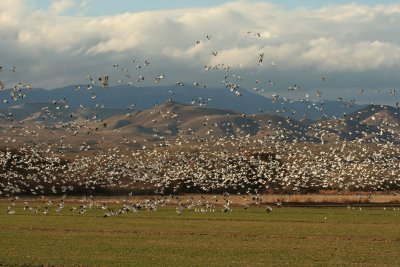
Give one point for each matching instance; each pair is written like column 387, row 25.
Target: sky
column 101, row 8
column 322, row 49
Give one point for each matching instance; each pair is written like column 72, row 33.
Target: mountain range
column 153, row 114
column 139, row 98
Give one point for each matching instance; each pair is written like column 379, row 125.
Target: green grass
column 287, row 236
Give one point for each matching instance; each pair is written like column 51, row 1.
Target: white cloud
column 60, row 6
column 330, row 55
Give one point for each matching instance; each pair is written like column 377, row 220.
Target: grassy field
column 286, row 236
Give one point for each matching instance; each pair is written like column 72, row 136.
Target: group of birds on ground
column 236, row 163
column 124, row 205
column 202, row 204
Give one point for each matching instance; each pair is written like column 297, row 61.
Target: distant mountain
column 53, row 112
column 172, row 119
column 176, row 119
column 371, row 123
column 386, row 118
column 121, row 97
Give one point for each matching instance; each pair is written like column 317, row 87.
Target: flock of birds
column 237, row 163
column 200, row 204
column 125, row 205
column 217, row 167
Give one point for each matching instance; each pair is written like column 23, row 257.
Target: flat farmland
column 294, row 236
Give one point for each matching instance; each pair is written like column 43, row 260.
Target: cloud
column 344, row 40
column 331, row 55
column 60, row 6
